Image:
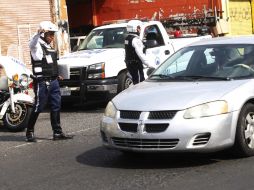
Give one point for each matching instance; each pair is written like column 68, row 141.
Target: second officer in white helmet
column 134, row 54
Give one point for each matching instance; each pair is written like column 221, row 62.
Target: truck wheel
column 17, row 121
column 124, row 81
column 244, row 139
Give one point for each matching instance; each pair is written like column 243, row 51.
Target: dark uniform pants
column 46, row 92
column 136, row 71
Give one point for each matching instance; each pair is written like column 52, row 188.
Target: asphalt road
column 82, row 163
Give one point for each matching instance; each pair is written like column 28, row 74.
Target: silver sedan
column 201, row 99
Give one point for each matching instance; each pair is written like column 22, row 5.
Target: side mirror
column 149, row 71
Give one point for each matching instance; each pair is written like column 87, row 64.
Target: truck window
column 153, row 33
column 104, row 38
column 75, row 41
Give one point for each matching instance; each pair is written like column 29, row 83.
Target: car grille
column 161, row 114
column 129, row 127
column 130, row 114
column 201, row 139
column 145, row 121
column 149, row 128
column 152, row 115
column 145, row 143
column 155, row 128
column 77, row 74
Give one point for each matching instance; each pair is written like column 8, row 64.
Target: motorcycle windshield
column 13, row 66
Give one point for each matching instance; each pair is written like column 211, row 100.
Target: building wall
column 63, row 37
column 63, row 10
column 79, row 13
column 252, row 14
column 240, row 17
column 18, row 21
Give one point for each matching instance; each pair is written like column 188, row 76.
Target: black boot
column 30, row 136
column 61, row 136
column 56, row 127
column 30, row 129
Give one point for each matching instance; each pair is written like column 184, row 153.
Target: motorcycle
column 15, row 101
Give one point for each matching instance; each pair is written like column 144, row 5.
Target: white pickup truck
column 97, row 71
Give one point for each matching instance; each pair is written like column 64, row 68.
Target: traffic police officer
column 134, row 52
column 46, row 86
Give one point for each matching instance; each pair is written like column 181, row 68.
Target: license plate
column 65, row 92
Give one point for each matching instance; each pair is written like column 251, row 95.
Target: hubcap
column 19, row 115
column 249, row 130
column 128, row 83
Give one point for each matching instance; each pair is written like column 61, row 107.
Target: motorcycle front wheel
column 17, row 121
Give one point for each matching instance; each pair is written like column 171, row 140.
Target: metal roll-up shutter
column 19, row 19
column 240, row 17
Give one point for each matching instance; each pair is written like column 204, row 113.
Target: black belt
column 49, row 79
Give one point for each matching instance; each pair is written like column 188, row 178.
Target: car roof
column 111, row 26
column 124, row 24
column 226, row 40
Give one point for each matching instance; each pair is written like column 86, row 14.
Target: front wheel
column 17, row 121
column 124, row 81
column 244, row 139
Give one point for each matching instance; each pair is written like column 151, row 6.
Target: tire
column 124, row 81
column 18, row 121
column 244, row 139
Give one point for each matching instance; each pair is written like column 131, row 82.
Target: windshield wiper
column 198, row 77
column 161, row 76
column 190, row 77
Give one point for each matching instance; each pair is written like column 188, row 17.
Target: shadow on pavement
column 101, row 157
column 89, row 108
column 9, row 138
column 3, row 129
column 20, row 138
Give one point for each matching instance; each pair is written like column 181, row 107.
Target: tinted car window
column 225, row 61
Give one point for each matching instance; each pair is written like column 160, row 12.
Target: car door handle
column 167, row 52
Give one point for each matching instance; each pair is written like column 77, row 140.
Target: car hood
column 148, row 96
column 89, row 57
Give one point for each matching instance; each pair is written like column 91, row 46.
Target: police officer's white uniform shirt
column 139, row 46
column 35, row 47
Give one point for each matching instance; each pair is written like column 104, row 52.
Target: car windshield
column 104, row 38
column 210, row 62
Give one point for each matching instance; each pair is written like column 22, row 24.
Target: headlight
column 206, row 110
column 15, row 81
column 110, row 110
column 15, row 78
column 96, row 71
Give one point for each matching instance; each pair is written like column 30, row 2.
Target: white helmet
column 48, row 26
column 132, row 25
